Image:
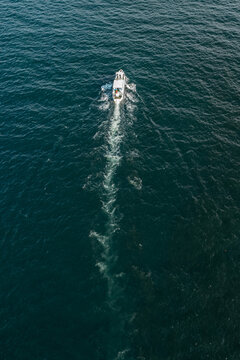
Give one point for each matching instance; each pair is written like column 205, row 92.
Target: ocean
column 120, row 224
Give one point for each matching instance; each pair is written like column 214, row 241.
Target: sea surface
column 120, row 225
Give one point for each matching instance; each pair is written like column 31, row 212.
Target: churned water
column 120, row 224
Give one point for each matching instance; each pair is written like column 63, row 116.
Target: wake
column 114, row 135
column 109, row 194
column 114, row 130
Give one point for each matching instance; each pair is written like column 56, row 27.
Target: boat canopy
column 118, row 84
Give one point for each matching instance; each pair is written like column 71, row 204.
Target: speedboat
column 119, row 86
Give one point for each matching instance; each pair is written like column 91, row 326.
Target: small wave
column 122, row 354
column 97, row 135
column 105, row 106
column 131, row 97
column 87, row 183
column 102, row 267
column 136, row 182
column 92, row 182
column 132, row 87
column 105, row 96
column 134, row 154
column 105, row 103
column 106, row 87
column 130, row 107
column 101, row 238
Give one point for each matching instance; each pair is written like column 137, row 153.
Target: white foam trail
column 109, row 188
column 122, row 115
column 113, row 158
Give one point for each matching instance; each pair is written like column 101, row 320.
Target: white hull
column 119, row 86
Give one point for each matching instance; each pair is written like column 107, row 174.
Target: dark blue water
column 119, row 225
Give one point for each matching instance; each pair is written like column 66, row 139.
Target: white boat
column 119, row 86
